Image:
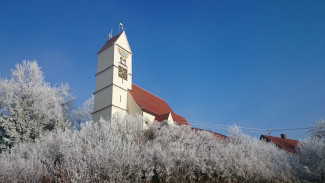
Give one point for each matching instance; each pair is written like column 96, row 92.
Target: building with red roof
column 115, row 92
column 282, row 142
column 152, row 107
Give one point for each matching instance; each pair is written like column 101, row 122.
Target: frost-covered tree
column 30, row 106
column 121, row 151
column 83, row 114
column 312, row 154
column 318, row 131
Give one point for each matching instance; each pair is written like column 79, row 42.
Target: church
column 115, row 92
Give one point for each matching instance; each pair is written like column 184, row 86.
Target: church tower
column 113, row 78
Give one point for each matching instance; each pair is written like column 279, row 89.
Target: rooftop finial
column 121, row 27
column 110, row 34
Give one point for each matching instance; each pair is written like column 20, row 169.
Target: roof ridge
column 110, row 42
column 279, row 137
column 149, row 92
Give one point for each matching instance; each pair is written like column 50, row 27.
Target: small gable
column 180, row 119
column 163, row 117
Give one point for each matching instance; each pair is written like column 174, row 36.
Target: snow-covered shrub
column 177, row 154
column 318, row 131
column 29, row 106
column 104, row 151
column 312, row 153
column 99, row 152
column 121, row 151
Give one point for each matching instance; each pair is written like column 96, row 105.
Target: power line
column 292, row 129
column 214, row 128
column 214, row 125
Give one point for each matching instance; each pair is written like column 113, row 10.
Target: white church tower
column 113, row 78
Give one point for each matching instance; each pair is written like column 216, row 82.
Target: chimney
column 283, row 136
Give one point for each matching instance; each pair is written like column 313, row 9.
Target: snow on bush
column 121, row 151
column 312, row 153
column 29, row 106
column 318, row 131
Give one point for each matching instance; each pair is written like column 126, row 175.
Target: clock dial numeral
column 122, row 73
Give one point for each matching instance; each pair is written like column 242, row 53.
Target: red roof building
column 153, row 105
column 115, row 92
column 282, row 142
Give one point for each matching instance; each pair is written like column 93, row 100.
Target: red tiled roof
column 215, row 134
column 287, row 144
column 162, row 117
column 153, row 104
column 110, row 42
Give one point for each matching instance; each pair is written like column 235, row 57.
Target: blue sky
column 259, row 64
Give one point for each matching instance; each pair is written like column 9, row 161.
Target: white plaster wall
column 148, row 116
column 103, row 98
column 105, row 59
column 132, row 106
column 170, row 119
column 105, row 114
column 118, row 94
column 104, row 79
column 117, row 111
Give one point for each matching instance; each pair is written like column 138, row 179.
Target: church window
column 122, row 61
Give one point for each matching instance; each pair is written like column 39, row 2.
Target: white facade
column 111, row 92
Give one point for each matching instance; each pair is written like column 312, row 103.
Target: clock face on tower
column 123, row 53
column 123, row 73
